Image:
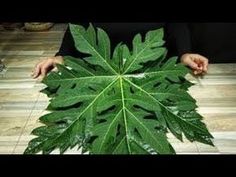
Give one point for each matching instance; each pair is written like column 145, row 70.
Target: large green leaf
column 119, row 103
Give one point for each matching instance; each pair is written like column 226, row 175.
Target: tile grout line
column 23, row 129
column 195, row 144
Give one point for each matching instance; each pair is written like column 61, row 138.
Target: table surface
column 21, row 103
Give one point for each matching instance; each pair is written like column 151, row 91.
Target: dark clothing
column 216, row 41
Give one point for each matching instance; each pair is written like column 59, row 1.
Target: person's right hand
column 43, row 67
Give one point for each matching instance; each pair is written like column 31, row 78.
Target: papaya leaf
column 117, row 102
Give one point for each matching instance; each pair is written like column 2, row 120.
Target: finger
column 40, row 79
column 200, row 66
column 203, row 61
column 43, row 71
column 193, row 65
column 45, row 68
column 55, row 69
column 37, row 70
column 204, row 58
column 197, row 72
column 205, row 65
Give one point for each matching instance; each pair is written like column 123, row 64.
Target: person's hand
column 198, row 63
column 43, row 67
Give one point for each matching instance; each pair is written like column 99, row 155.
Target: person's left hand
column 198, row 63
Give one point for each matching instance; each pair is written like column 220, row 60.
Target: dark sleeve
column 179, row 38
column 67, row 46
